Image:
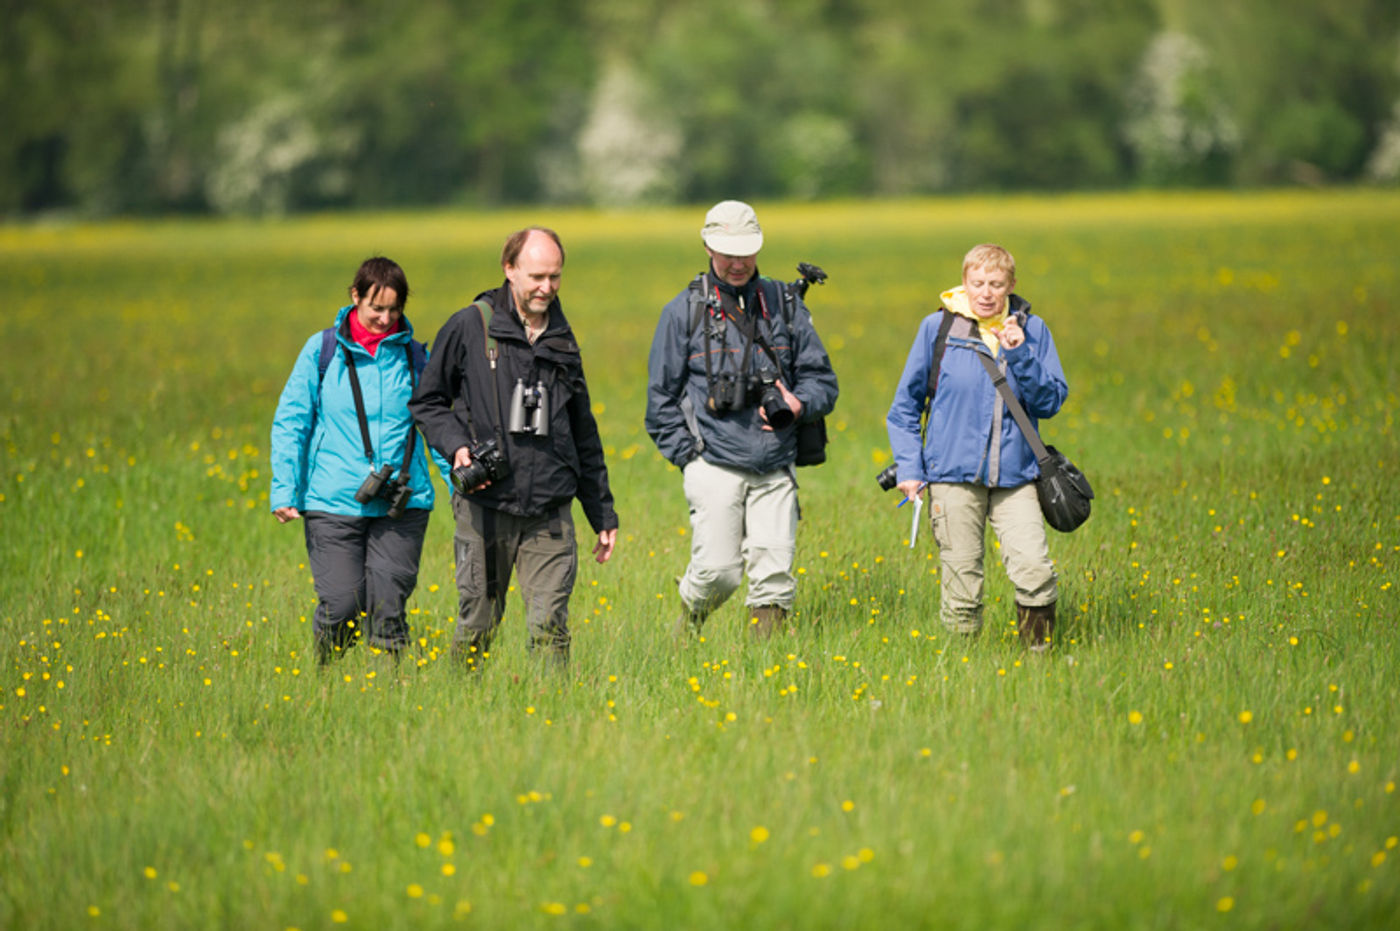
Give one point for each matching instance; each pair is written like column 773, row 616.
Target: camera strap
column 364, row 419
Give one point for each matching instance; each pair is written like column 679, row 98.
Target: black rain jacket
column 462, row 400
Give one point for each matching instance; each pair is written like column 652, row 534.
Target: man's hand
column 463, row 457
column 1011, row 335
column 286, row 515
column 790, row 399
column 607, row 539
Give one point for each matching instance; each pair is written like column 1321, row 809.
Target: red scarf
column 366, row 338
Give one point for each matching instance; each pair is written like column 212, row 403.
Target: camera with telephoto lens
column 529, row 409
column 488, row 465
column 770, row 397
column 378, row 485
column 888, row 477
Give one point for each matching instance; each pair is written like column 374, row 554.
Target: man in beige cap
column 735, row 366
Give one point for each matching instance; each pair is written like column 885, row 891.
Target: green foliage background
column 269, row 107
column 1213, row 738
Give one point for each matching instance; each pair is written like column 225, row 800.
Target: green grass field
column 1213, row 742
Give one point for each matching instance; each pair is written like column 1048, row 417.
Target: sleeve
column 906, row 411
column 1036, row 373
column 434, row 399
column 594, row 493
column 814, row 378
column 667, row 373
column 292, row 427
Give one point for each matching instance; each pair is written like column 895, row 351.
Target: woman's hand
column 910, row 488
column 1011, row 335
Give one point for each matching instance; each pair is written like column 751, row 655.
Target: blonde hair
column 990, row 255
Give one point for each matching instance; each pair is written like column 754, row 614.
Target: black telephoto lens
column 888, row 478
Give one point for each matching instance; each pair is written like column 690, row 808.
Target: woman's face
column 379, row 310
column 987, row 289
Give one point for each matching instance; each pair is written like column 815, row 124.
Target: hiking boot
column 765, row 619
column 687, row 626
column 1036, row 624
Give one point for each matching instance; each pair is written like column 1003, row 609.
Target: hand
column 910, row 488
column 791, row 400
column 1011, row 335
column 607, row 539
column 463, row 457
column 286, row 515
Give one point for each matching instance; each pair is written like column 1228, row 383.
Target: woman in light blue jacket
column 347, row 459
column 974, row 459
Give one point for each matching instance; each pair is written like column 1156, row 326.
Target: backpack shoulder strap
column 418, row 355
column 323, row 361
column 483, row 307
column 696, row 291
column 940, row 346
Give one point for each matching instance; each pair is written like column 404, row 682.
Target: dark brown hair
column 380, row 272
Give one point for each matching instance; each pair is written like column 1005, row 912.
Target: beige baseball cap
column 731, row 228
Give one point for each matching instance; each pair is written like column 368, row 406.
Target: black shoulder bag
column 1064, row 492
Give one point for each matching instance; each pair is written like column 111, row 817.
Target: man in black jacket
column 507, row 370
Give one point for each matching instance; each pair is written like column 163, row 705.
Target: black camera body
column 378, row 485
column 488, row 465
column 770, row 397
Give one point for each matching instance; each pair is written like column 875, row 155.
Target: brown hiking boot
column 1036, row 625
column 765, row 619
column 687, row 626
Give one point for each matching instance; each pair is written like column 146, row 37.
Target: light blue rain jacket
column 318, row 458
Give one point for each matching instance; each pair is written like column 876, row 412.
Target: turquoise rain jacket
column 968, row 415
column 318, row 456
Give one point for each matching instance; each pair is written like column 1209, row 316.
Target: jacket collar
column 505, row 319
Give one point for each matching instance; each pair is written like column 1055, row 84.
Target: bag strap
column 1042, row 455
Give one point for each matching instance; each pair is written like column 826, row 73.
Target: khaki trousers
column 959, row 515
column 488, row 544
column 740, row 522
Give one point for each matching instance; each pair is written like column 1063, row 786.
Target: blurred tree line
column 131, row 106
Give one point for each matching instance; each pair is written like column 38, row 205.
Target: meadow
column 1212, row 742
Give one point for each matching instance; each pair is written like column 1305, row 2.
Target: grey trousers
column 364, row 565
column 489, row 544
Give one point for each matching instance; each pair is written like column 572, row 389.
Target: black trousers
column 364, row 565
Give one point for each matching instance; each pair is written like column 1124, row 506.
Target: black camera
column 811, row 274
column 529, row 409
column 888, row 477
column 488, row 465
column 378, row 485
column 770, row 397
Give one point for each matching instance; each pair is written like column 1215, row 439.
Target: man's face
column 987, row 289
column 734, row 270
column 378, row 310
column 534, row 278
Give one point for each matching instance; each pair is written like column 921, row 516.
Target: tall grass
column 1213, row 739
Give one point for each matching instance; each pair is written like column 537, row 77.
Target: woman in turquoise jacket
column 347, row 459
column 973, row 458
